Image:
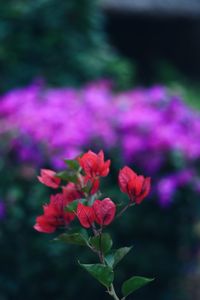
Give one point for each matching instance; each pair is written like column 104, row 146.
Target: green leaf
column 72, row 207
column 86, row 189
column 62, row 175
column 77, row 238
column 110, row 259
column 102, row 273
column 117, row 256
column 68, row 176
column 133, row 284
column 72, row 164
column 101, row 242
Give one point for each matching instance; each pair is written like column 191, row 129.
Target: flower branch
column 80, row 199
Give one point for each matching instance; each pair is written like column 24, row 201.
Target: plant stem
column 111, row 289
column 123, row 210
column 94, row 229
column 101, row 256
column 112, row 292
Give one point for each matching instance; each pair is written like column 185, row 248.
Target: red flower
column 95, row 186
column 48, row 177
column 85, row 215
column 137, row 187
column 94, row 165
column 54, row 215
column 71, row 192
column 104, row 211
column 101, row 212
column 92, row 184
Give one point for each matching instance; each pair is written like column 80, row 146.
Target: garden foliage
column 62, row 41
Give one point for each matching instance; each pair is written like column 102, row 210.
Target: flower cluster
column 54, row 214
column 153, row 126
column 86, row 184
column 80, row 199
column 83, row 192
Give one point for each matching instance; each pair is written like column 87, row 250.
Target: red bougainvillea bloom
column 136, row 186
column 54, row 215
column 92, row 183
column 85, row 215
column 94, row 165
column 95, row 186
column 71, row 192
column 104, row 211
column 48, row 177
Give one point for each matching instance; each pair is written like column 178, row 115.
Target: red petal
column 106, row 167
column 48, row 173
column 101, row 155
column 95, row 186
column 42, row 225
column 48, row 178
column 88, row 162
column 104, row 211
column 85, row 215
column 93, row 164
column 137, row 184
column 70, row 193
column 145, row 190
column 68, row 217
column 125, row 175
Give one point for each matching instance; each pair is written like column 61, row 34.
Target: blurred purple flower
column 166, row 190
column 167, row 186
column 147, row 125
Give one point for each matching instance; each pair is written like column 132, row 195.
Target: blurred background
column 122, row 76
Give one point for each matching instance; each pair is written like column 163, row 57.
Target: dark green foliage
column 134, row 283
column 113, row 258
column 104, row 243
column 60, row 41
column 77, row 238
column 104, row 274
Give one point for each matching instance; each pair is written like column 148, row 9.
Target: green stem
column 100, row 253
column 112, row 292
column 111, row 289
column 101, row 256
column 123, row 210
column 94, row 229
